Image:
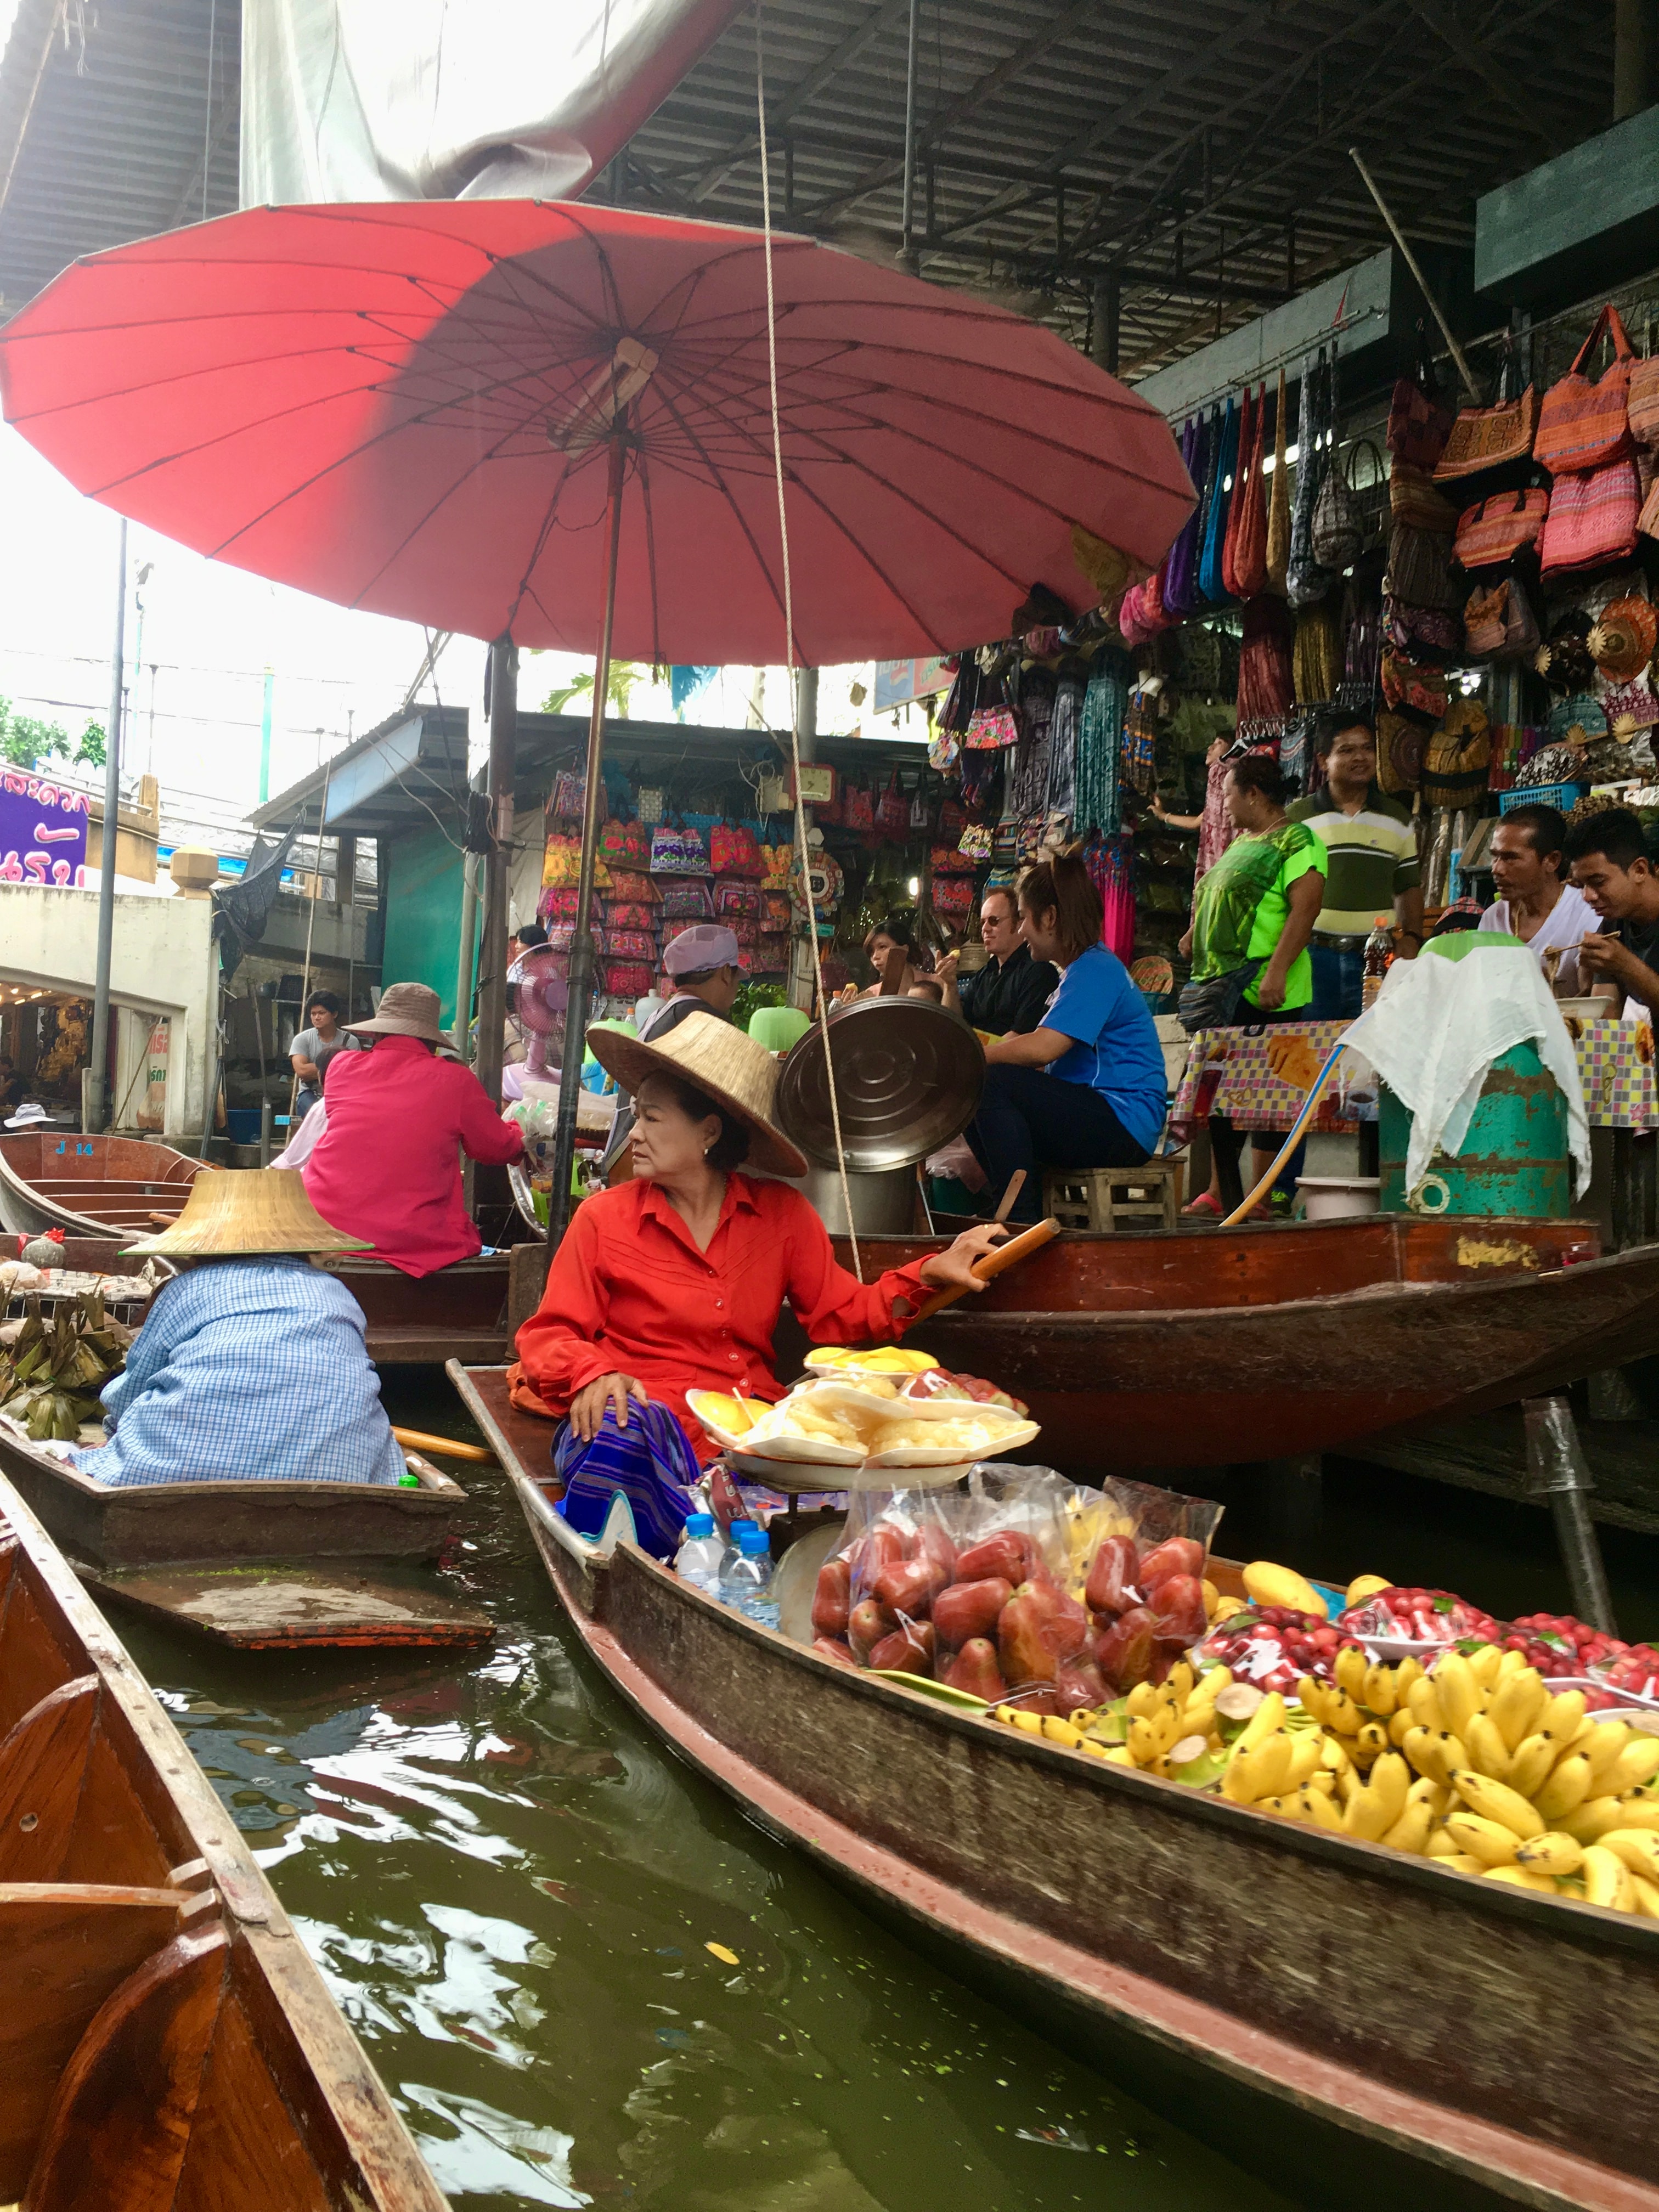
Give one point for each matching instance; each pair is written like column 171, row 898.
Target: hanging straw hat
column 1622, row 642
column 405, row 1010
column 740, row 1076
column 234, row 1211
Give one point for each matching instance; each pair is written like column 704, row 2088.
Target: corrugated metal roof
column 1192, row 152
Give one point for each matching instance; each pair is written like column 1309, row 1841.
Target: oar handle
column 992, row 1263
column 443, row 1447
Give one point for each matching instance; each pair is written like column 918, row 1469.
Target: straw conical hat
column 740, row 1076
column 246, row 1210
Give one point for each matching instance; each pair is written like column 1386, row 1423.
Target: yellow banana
column 1031, row 1723
column 1488, row 1752
column 1563, row 1714
column 1401, row 1724
column 1306, row 1757
column 1095, row 1750
column 1313, row 1697
column 1496, row 1800
column 1380, row 1690
column 1268, row 1716
column 1320, row 1810
column 1365, row 1586
column 1267, row 1585
column 1141, row 1701
column 1437, row 1753
column 1603, row 1750
column 1462, row 1862
column 1638, row 1813
column 1516, row 1706
column 1436, row 1795
column 1425, row 1704
column 1410, row 1833
column 1638, row 1847
column 1342, row 1714
column 1591, row 1820
column 1197, row 1719
column 1440, row 1846
column 1118, row 1754
column 1352, row 1669
column 1407, row 1672
column 1059, row 1731
column 1461, row 1696
column 1565, row 1789
column 1551, row 1853
column 1636, row 1764
column 1522, row 1878
column 1489, row 1841
column 1646, row 1894
column 1322, row 1780
column 1510, row 1663
column 1533, row 1764
column 1373, row 1810
column 1178, row 1682
column 1144, row 1742
column 1607, row 1881
column 1483, row 1664
column 1259, row 1770
column 1370, row 1743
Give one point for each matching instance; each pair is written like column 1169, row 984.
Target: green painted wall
column 422, row 913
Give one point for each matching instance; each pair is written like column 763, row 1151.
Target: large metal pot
column 907, row 1080
column 883, row 1199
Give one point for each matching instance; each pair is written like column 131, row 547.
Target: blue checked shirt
column 247, row 1370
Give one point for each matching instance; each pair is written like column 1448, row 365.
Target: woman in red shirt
column 675, row 1281
column 388, row 1167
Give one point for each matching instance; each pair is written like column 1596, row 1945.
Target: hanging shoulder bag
column 1487, row 437
column 1583, row 423
column 1498, row 528
column 1592, row 518
column 1419, row 421
column 1276, row 552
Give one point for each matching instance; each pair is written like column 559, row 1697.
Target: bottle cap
column 751, row 1540
column 735, row 1529
column 700, row 1524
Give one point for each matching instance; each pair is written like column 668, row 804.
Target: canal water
column 513, row 1892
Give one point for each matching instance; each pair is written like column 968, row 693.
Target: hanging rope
column 789, row 643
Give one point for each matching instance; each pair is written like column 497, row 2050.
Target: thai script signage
column 42, row 831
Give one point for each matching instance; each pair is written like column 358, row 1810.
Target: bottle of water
column 702, row 1555
column 746, row 1579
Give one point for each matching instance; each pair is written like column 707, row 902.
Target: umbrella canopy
column 407, row 408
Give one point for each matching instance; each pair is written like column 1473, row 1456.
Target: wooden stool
column 1114, row 1198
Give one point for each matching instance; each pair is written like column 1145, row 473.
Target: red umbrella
column 553, row 425
column 404, row 407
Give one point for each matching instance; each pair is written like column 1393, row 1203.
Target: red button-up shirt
column 630, row 1291
column 388, row 1165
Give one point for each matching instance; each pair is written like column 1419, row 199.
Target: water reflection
column 512, row 1892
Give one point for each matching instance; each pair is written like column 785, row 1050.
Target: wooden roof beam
column 1477, row 55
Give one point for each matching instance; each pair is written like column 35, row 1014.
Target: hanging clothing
column 1316, row 656
column 1277, row 551
column 1100, row 742
column 1210, row 575
column 1111, row 862
column 1059, row 801
column 1180, row 592
column 1215, row 830
column 1267, row 679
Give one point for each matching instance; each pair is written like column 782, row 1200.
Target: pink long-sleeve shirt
column 388, row 1167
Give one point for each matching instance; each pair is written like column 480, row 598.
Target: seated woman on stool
column 1086, row 1088
column 675, row 1281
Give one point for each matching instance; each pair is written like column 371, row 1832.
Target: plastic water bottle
column 746, row 1579
column 699, row 1558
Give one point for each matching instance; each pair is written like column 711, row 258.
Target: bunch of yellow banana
column 1362, row 1706
column 1172, row 1722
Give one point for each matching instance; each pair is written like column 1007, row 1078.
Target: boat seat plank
column 247, row 2155
column 64, row 1950
column 119, row 2127
column 43, row 1764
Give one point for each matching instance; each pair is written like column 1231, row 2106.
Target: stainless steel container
column 883, row 1199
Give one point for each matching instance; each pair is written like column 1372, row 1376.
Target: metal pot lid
column 907, row 1080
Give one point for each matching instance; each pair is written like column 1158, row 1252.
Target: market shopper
column 1086, row 1088
column 1008, row 994
column 1253, row 916
column 252, row 1365
column 1608, row 856
column 896, row 934
column 1534, row 901
column 675, row 1281
column 387, row 1168
column 1372, row 850
column 315, row 1045
column 704, row 968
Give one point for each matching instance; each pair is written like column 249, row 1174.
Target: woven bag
column 1457, row 756
column 893, row 810
column 1642, row 402
column 1487, row 437
column 1339, row 521
column 1399, row 753
column 1500, row 528
column 1483, row 620
column 1276, row 554
column 1420, row 568
column 1584, row 424
column 1592, row 518
column 1420, row 422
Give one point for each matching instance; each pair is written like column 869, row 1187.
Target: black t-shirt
column 1641, row 938
column 1009, row 1000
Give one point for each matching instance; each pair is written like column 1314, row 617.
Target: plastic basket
column 1561, row 795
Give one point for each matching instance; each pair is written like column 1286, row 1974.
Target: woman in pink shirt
column 387, row 1168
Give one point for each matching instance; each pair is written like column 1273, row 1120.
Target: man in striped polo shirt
column 1373, row 851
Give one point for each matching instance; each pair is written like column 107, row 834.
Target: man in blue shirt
column 1086, row 1088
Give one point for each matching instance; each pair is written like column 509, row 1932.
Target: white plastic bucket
column 1336, row 1198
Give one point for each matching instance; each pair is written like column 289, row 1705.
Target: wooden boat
column 165, row 2042
column 1365, row 2027
column 261, row 1566
column 91, row 1186
column 1207, row 1348
column 459, row 1313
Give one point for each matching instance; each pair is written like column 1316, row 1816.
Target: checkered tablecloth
column 1258, row 1078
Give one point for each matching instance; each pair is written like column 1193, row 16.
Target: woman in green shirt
column 1252, row 914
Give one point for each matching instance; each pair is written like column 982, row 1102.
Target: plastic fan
column 544, row 996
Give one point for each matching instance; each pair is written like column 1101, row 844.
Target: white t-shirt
column 1571, row 919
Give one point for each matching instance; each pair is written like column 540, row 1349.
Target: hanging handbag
column 569, row 795
column 1180, row 577
column 921, row 812
column 634, row 886
column 1521, row 639
column 1249, row 555
column 561, row 863
column 1584, row 424
column 1488, row 437
column 857, row 809
column 625, row 979
column 1339, row 522
column 686, row 900
column 1211, row 579
column 725, row 848
column 1642, row 402
column 1484, row 620
column 1404, row 684
column 1276, row 553
column 1399, row 754
column 1236, row 504
column 992, row 729
column 627, row 914
column 1458, row 757
column 893, row 810
column 974, row 845
column 1500, row 528
column 648, row 804
column 1306, row 579
column 1592, row 518
column 1419, row 421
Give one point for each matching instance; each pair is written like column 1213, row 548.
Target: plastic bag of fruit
column 1273, row 1646
column 1403, row 1622
column 1571, row 1655
column 1146, row 1551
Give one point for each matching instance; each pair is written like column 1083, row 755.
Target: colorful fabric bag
column 1500, row 528
column 858, row 809
column 1405, row 684
column 626, row 980
column 1420, row 422
column 630, row 944
column 953, row 896
column 1399, row 754
column 893, row 810
column 1278, row 551
column 1592, row 518
column 1457, row 756
column 1642, row 402
column 732, row 898
column 1488, row 437
column 1306, row 579
column 1584, row 424
column 947, row 860
column 628, row 914
column 1212, row 562
column 561, row 863
column 625, row 844
column 992, row 729
column 569, row 795
column 633, row 886
column 686, row 900
column 558, row 905
column 677, row 850
column 975, row 843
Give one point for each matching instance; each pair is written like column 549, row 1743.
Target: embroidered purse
column 1584, row 424
column 1500, row 528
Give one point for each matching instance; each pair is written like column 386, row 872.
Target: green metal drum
column 1514, row 1158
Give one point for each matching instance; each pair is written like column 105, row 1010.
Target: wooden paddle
column 443, row 1447
column 992, row 1263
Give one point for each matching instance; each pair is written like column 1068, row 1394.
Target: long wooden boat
column 90, row 1186
column 165, row 2041
column 459, row 1313
column 1365, row 2025
column 1207, row 1348
column 261, row 1566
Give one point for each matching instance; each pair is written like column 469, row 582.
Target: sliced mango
column 733, row 1414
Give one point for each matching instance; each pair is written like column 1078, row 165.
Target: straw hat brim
column 247, row 1213
column 397, row 1025
column 630, row 1062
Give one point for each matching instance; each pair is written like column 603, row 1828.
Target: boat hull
column 459, row 1313
column 90, row 1186
column 1206, row 1349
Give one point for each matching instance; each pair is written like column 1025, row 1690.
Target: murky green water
column 511, row 1889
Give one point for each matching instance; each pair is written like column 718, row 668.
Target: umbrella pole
column 498, row 867
column 582, row 957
